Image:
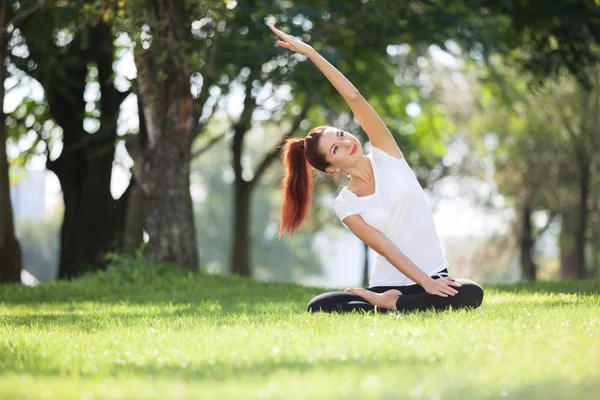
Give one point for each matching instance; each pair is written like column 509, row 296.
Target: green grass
column 162, row 334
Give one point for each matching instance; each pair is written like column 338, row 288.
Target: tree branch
column 20, row 17
column 207, row 146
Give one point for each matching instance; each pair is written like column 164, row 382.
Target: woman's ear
column 332, row 169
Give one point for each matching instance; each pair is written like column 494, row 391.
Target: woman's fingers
column 291, row 42
column 279, row 33
column 450, row 281
column 283, row 35
column 285, row 43
column 448, row 290
column 451, row 291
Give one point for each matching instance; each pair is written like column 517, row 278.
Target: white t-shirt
column 400, row 211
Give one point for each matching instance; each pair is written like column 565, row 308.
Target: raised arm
column 379, row 134
column 382, row 245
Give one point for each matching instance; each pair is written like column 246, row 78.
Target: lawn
column 163, row 334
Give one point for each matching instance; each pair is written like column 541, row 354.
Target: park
column 300, row 199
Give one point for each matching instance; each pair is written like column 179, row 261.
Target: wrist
column 311, row 53
column 424, row 280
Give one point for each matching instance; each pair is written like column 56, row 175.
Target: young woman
column 383, row 205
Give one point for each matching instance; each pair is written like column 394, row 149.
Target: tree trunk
column 527, row 243
column 573, row 231
column 162, row 160
column 240, row 262
column 569, row 261
column 240, row 249
column 93, row 221
column 365, row 278
column 10, row 258
column 133, row 235
column 595, row 250
column 240, row 257
column 580, row 234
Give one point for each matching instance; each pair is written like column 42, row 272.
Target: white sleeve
column 343, row 209
column 380, row 154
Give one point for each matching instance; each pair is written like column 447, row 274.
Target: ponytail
column 296, row 186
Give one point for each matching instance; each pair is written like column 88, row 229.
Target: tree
column 64, row 65
column 554, row 35
column 231, row 51
column 162, row 160
column 10, row 266
column 575, row 112
column 545, row 150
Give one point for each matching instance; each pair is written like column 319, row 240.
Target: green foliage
column 231, row 44
column 134, row 269
column 553, row 35
column 537, row 138
column 227, row 337
column 31, row 119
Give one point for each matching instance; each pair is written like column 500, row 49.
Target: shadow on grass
column 219, row 293
column 231, row 372
column 585, row 287
column 210, row 370
column 93, row 320
column 202, row 294
column 555, row 389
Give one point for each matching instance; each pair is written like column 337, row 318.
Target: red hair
column 296, row 186
column 298, row 157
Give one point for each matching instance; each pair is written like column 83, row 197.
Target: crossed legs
column 406, row 298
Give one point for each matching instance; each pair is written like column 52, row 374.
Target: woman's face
column 340, row 148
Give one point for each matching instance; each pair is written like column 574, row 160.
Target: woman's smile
column 353, row 150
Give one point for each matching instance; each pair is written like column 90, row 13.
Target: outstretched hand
column 291, row 42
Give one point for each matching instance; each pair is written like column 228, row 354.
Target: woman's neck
column 361, row 173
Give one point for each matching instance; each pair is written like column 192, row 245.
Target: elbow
column 353, row 95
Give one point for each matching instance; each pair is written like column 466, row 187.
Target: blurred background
column 152, row 130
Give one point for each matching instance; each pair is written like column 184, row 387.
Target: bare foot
column 383, row 300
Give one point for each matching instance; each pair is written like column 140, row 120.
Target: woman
column 383, row 205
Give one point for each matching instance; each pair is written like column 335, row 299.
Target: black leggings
column 414, row 298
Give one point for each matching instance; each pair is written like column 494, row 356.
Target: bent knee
column 471, row 293
column 312, row 305
column 319, row 303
